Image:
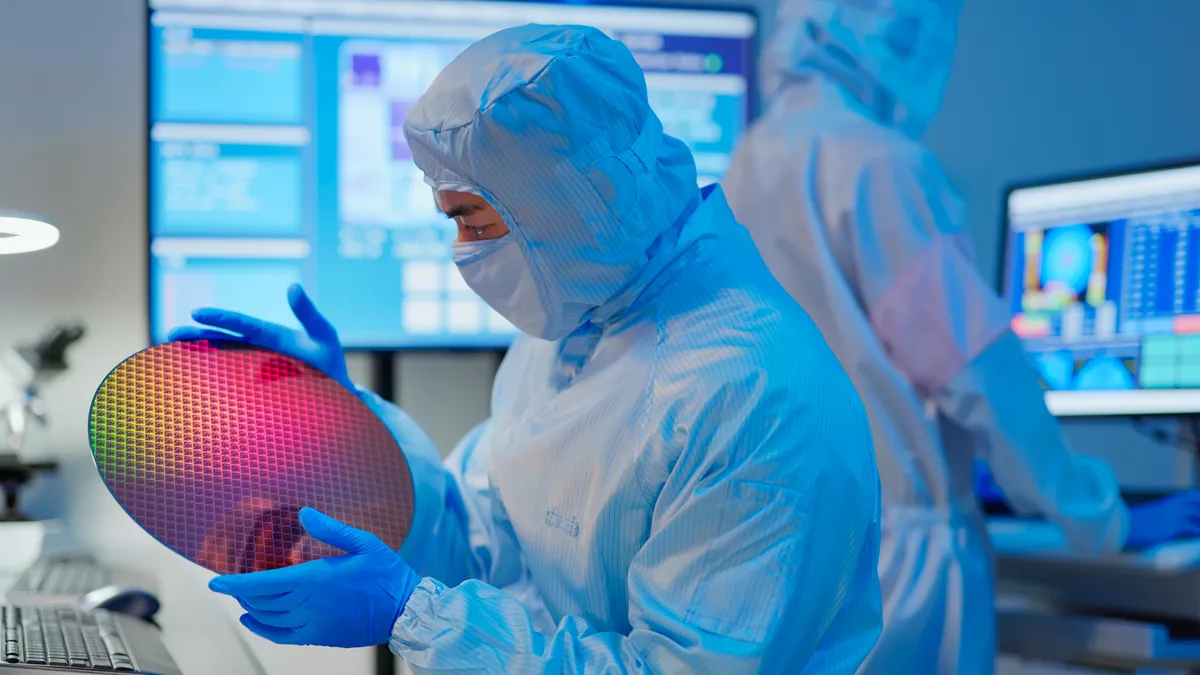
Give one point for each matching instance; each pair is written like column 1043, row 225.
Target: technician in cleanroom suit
column 677, row 476
column 859, row 223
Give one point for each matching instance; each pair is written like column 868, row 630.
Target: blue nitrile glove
column 348, row 601
column 1174, row 517
column 986, row 488
column 317, row 345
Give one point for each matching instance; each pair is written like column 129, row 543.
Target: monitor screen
column 277, row 156
column 1103, row 276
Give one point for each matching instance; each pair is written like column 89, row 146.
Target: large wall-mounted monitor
column 1104, row 279
column 276, row 152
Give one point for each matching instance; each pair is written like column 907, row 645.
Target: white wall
column 72, row 129
column 72, row 148
column 1040, row 87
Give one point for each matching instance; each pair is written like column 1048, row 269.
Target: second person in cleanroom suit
column 677, row 475
column 859, row 223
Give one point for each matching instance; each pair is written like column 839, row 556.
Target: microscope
column 24, row 371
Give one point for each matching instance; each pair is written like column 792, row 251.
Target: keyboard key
column 63, row 638
column 63, row 576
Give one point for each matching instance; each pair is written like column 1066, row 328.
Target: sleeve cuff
column 414, row 628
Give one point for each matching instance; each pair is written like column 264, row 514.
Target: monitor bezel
column 1005, row 236
column 152, row 292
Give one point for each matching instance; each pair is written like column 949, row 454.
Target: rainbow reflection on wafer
column 213, row 449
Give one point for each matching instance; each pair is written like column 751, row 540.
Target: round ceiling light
column 23, row 234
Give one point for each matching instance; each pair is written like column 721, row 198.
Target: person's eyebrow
column 461, row 210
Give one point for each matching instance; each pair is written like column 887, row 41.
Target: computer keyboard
column 45, row 639
column 62, row 576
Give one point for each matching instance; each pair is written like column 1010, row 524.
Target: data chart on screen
column 277, row 154
column 1104, row 280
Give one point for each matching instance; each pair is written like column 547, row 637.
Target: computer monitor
column 276, row 151
column 1104, row 279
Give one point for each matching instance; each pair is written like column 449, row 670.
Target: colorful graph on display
column 1067, row 296
column 1103, row 279
column 214, row 449
column 1066, row 266
column 1068, row 258
column 1112, row 306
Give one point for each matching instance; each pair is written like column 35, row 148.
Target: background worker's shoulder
column 832, row 129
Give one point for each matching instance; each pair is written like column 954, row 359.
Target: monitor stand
column 384, row 373
column 1189, row 445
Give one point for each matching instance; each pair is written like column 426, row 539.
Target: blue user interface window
column 277, row 154
column 1104, row 280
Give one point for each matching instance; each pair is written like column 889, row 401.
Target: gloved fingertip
column 318, row 524
column 218, row 585
column 309, row 514
column 298, row 298
column 282, row 636
column 331, row 531
column 253, row 625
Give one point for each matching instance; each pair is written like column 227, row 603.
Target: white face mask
column 497, row 270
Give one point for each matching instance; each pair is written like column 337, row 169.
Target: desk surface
column 199, row 643
column 1018, row 537
column 1162, row 583
column 1111, row 643
column 199, row 634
